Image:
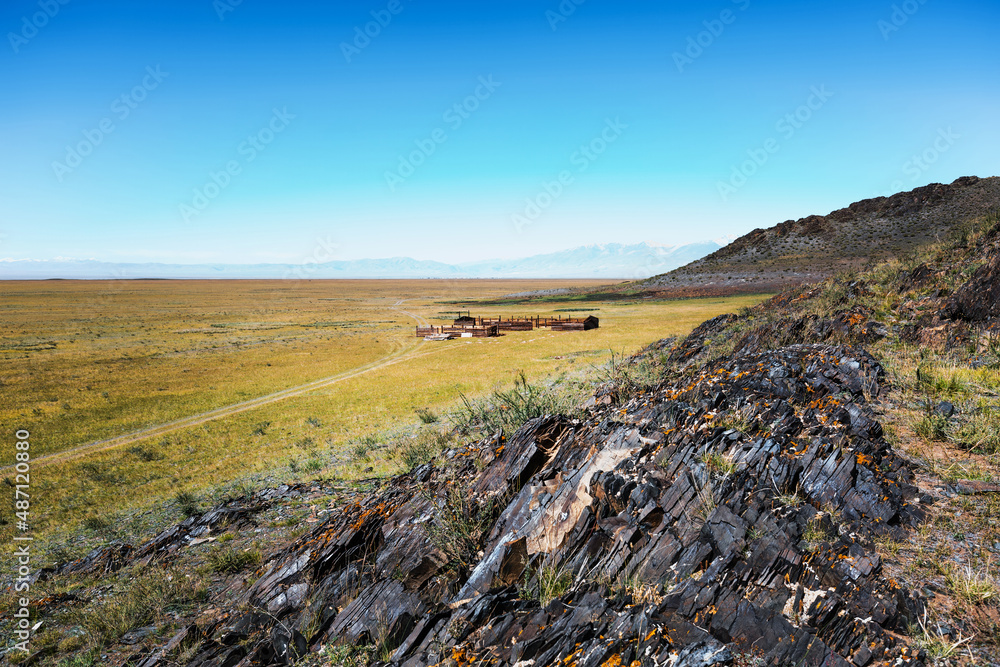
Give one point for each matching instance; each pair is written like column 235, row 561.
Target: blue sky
column 200, row 131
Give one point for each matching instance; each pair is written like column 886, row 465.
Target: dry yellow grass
column 128, row 355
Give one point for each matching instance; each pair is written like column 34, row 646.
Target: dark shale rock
column 978, row 300
column 677, row 519
column 917, row 278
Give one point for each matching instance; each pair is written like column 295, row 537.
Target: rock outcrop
column 725, row 517
column 978, row 300
column 796, row 252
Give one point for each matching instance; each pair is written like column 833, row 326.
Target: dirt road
column 406, row 351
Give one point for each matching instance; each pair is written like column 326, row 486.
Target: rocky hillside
column 800, row 251
column 808, row 482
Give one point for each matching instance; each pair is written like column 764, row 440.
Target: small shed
column 586, row 324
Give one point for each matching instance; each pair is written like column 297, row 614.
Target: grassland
column 87, row 361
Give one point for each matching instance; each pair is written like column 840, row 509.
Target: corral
column 466, row 326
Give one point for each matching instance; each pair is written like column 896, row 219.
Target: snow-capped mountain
column 611, row 260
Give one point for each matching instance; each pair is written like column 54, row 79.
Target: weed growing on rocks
column 226, row 560
column 141, row 598
column 187, row 502
column 506, row 411
column 546, row 584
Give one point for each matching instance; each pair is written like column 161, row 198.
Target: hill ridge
column 817, row 246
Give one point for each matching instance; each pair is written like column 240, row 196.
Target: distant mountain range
column 611, row 260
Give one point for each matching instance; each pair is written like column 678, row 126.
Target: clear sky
column 262, row 131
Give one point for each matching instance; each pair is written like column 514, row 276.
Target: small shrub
column 95, row 523
column 240, row 489
column 749, row 659
column 459, row 524
column 142, row 598
column 226, row 560
column 361, row 447
column 932, row 426
column 980, row 434
column 951, row 386
column 507, row 411
column 970, row 586
column 260, row 428
column 546, row 584
column 187, row 502
column 961, row 470
column 146, row 454
column 933, row 384
column 992, row 344
column 640, row 591
column 420, row 449
column 706, row 501
column 426, row 416
column 789, row 499
column 632, row 376
column 887, row 547
column 315, row 423
column 925, row 379
column 347, row 655
column 101, row 473
column 734, row 421
column 313, row 465
column 718, row 465
column 75, row 643
column 815, row 533
column 991, row 220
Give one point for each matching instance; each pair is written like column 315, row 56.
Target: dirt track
column 406, row 351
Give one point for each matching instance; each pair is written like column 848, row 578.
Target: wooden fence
column 487, row 331
column 530, row 323
column 483, row 327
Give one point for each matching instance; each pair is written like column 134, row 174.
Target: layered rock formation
column 725, row 517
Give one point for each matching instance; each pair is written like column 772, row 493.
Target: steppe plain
column 137, row 391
